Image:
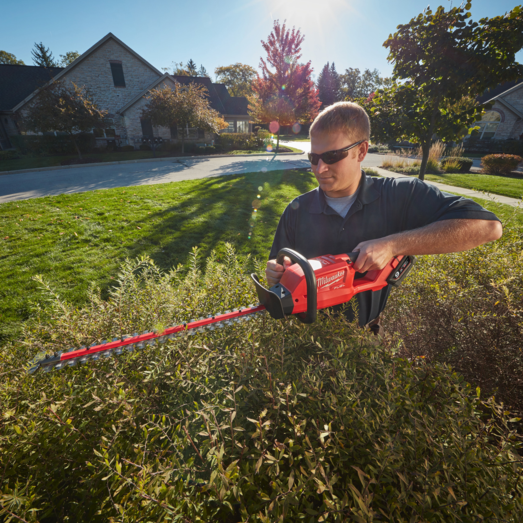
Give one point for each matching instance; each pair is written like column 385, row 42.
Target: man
column 378, row 217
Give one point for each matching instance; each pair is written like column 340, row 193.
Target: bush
column 500, row 163
column 456, row 165
column 10, row 154
column 490, row 146
column 127, row 148
column 145, row 147
column 259, row 421
column 466, row 310
column 239, row 141
column 53, row 145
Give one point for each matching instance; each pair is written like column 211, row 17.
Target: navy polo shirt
column 384, row 206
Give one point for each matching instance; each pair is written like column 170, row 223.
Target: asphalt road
column 22, row 186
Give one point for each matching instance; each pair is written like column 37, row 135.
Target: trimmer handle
column 310, row 278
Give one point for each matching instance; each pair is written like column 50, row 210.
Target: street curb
column 144, row 160
column 497, row 198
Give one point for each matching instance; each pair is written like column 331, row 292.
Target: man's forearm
column 437, row 238
column 445, row 236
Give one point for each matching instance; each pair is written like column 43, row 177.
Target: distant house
column 119, row 79
column 504, row 121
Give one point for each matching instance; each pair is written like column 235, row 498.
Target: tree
column 60, row 108
column 358, row 85
column 8, row 58
column 183, row 106
column 202, row 72
column 285, row 95
column 191, row 68
column 329, row 85
column 177, row 69
column 237, row 78
column 68, row 58
column 400, row 112
column 42, row 56
column 445, row 56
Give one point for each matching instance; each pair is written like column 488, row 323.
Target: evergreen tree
column 43, row 57
column 190, row 67
column 203, row 72
column 329, row 85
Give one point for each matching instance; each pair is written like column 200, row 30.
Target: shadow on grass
column 219, row 210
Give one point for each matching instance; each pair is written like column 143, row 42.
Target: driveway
column 26, row 185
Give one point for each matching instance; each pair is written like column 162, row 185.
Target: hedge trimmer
column 305, row 287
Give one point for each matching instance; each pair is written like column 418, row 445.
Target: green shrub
column 145, row 147
column 456, row 164
column 466, row 309
column 259, row 421
column 500, row 163
column 127, row 148
column 10, row 154
column 53, row 145
column 239, row 141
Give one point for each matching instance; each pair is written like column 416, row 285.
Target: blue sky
column 215, row 33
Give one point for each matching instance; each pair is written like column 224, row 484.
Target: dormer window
column 117, row 70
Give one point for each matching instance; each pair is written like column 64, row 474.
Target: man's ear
column 362, row 151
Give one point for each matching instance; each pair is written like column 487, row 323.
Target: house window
column 229, row 129
column 243, row 126
column 488, row 125
column 117, row 70
column 147, row 128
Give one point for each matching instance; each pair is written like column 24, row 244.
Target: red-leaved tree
column 284, row 93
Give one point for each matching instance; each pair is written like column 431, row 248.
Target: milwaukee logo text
column 329, row 280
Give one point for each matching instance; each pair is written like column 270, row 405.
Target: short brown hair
column 346, row 117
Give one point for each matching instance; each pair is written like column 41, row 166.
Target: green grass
column 35, row 162
column 293, row 138
column 505, row 185
column 75, row 240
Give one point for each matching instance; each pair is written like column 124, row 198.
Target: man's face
column 341, row 178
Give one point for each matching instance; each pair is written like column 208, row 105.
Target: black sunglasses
column 330, row 157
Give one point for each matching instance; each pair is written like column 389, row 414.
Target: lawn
column 505, row 185
column 35, row 162
column 76, row 240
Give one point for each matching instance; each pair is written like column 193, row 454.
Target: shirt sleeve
column 427, row 204
column 284, row 236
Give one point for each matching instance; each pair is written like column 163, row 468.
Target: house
column 118, row 79
column 504, row 120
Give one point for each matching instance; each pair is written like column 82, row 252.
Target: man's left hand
column 373, row 255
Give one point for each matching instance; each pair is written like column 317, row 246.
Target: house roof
column 145, row 91
column 500, row 90
column 19, row 81
column 82, row 57
column 219, row 97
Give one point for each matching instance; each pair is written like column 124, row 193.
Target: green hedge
column 490, row 146
column 52, row 145
column 260, row 421
column 8, row 155
column 500, row 163
column 464, row 163
column 239, row 141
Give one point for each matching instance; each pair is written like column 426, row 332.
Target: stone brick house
column 119, row 79
column 504, row 121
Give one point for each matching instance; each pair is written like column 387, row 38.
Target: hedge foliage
column 52, row 145
column 500, row 163
column 260, row 421
column 239, row 141
column 466, row 310
column 463, row 164
column 10, row 154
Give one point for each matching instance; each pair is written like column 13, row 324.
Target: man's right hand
column 274, row 270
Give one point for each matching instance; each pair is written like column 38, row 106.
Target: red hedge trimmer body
column 305, row 287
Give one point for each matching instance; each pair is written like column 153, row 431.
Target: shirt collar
column 368, row 191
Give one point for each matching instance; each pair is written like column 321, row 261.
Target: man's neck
column 347, row 191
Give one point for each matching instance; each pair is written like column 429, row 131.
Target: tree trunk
column 278, row 141
column 77, row 148
column 183, row 141
column 425, row 147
